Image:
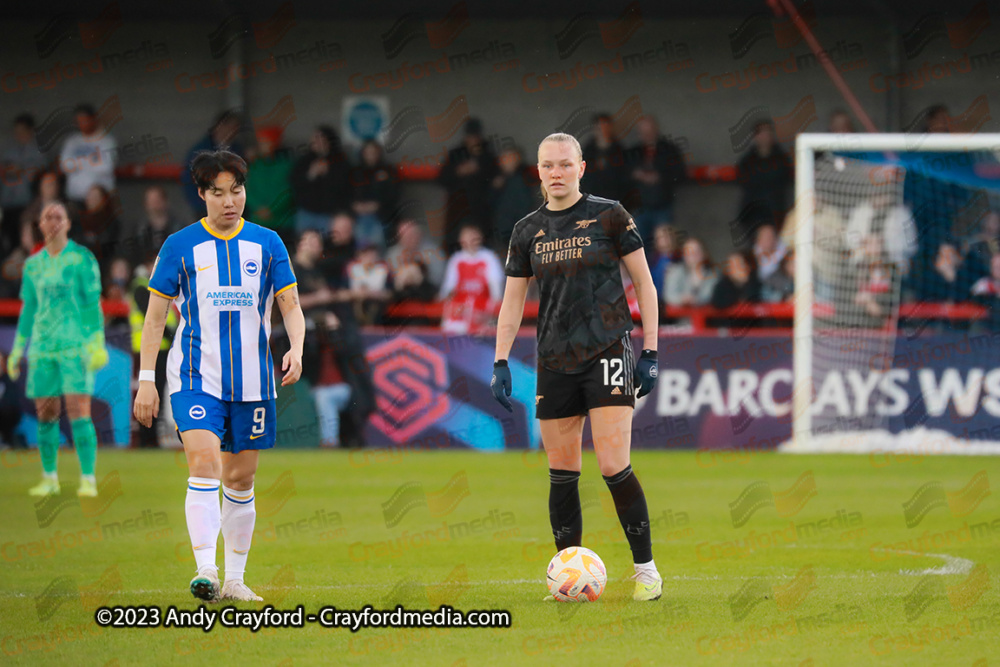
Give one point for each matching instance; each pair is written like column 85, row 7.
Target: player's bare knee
column 238, row 480
column 565, row 462
column 49, row 415
column 612, row 465
column 77, row 410
column 47, row 409
column 203, row 464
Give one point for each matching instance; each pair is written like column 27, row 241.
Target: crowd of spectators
column 358, row 248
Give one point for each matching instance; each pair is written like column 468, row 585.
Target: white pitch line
column 952, row 564
column 865, row 574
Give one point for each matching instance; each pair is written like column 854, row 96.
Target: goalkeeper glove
column 501, row 384
column 14, row 360
column 96, row 353
column 645, row 373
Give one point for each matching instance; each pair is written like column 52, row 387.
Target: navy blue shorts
column 239, row 425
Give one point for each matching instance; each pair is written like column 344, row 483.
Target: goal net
column 897, row 294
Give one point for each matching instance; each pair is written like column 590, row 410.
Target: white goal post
column 826, row 146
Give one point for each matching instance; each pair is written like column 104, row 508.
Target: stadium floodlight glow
column 839, row 180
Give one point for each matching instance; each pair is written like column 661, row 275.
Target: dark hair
column 332, row 138
column 207, row 165
column 935, row 109
column 748, row 257
column 473, row 126
column 85, row 108
column 25, row 119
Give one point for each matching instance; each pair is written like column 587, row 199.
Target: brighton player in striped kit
column 224, row 273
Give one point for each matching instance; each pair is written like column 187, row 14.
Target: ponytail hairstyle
column 560, row 137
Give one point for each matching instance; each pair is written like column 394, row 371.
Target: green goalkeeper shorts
column 58, row 377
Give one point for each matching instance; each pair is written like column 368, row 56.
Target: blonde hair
column 562, row 138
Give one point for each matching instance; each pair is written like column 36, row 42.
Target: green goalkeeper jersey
column 61, row 302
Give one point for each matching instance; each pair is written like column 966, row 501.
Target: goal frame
column 806, row 147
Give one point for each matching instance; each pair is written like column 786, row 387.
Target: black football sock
column 630, row 503
column 564, row 508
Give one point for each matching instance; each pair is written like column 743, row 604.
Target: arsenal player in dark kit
column 572, row 246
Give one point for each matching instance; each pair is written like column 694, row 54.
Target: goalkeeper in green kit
column 61, row 317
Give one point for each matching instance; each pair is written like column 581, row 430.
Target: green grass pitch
column 822, row 568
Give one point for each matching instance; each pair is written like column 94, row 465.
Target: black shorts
column 607, row 381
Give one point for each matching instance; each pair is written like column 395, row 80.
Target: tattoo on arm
column 292, row 294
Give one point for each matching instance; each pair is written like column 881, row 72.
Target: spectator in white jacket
column 888, row 219
column 88, row 157
column 768, row 250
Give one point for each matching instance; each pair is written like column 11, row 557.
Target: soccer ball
column 576, row 574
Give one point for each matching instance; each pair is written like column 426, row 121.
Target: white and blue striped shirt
column 224, row 287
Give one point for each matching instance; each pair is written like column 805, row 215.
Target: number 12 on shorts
column 613, row 369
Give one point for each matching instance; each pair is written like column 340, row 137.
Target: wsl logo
column 251, row 267
column 196, row 412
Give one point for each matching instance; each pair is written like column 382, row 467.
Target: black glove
column 501, row 384
column 645, row 373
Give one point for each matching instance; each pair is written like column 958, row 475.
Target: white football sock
column 201, row 508
column 239, row 514
column 648, row 568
